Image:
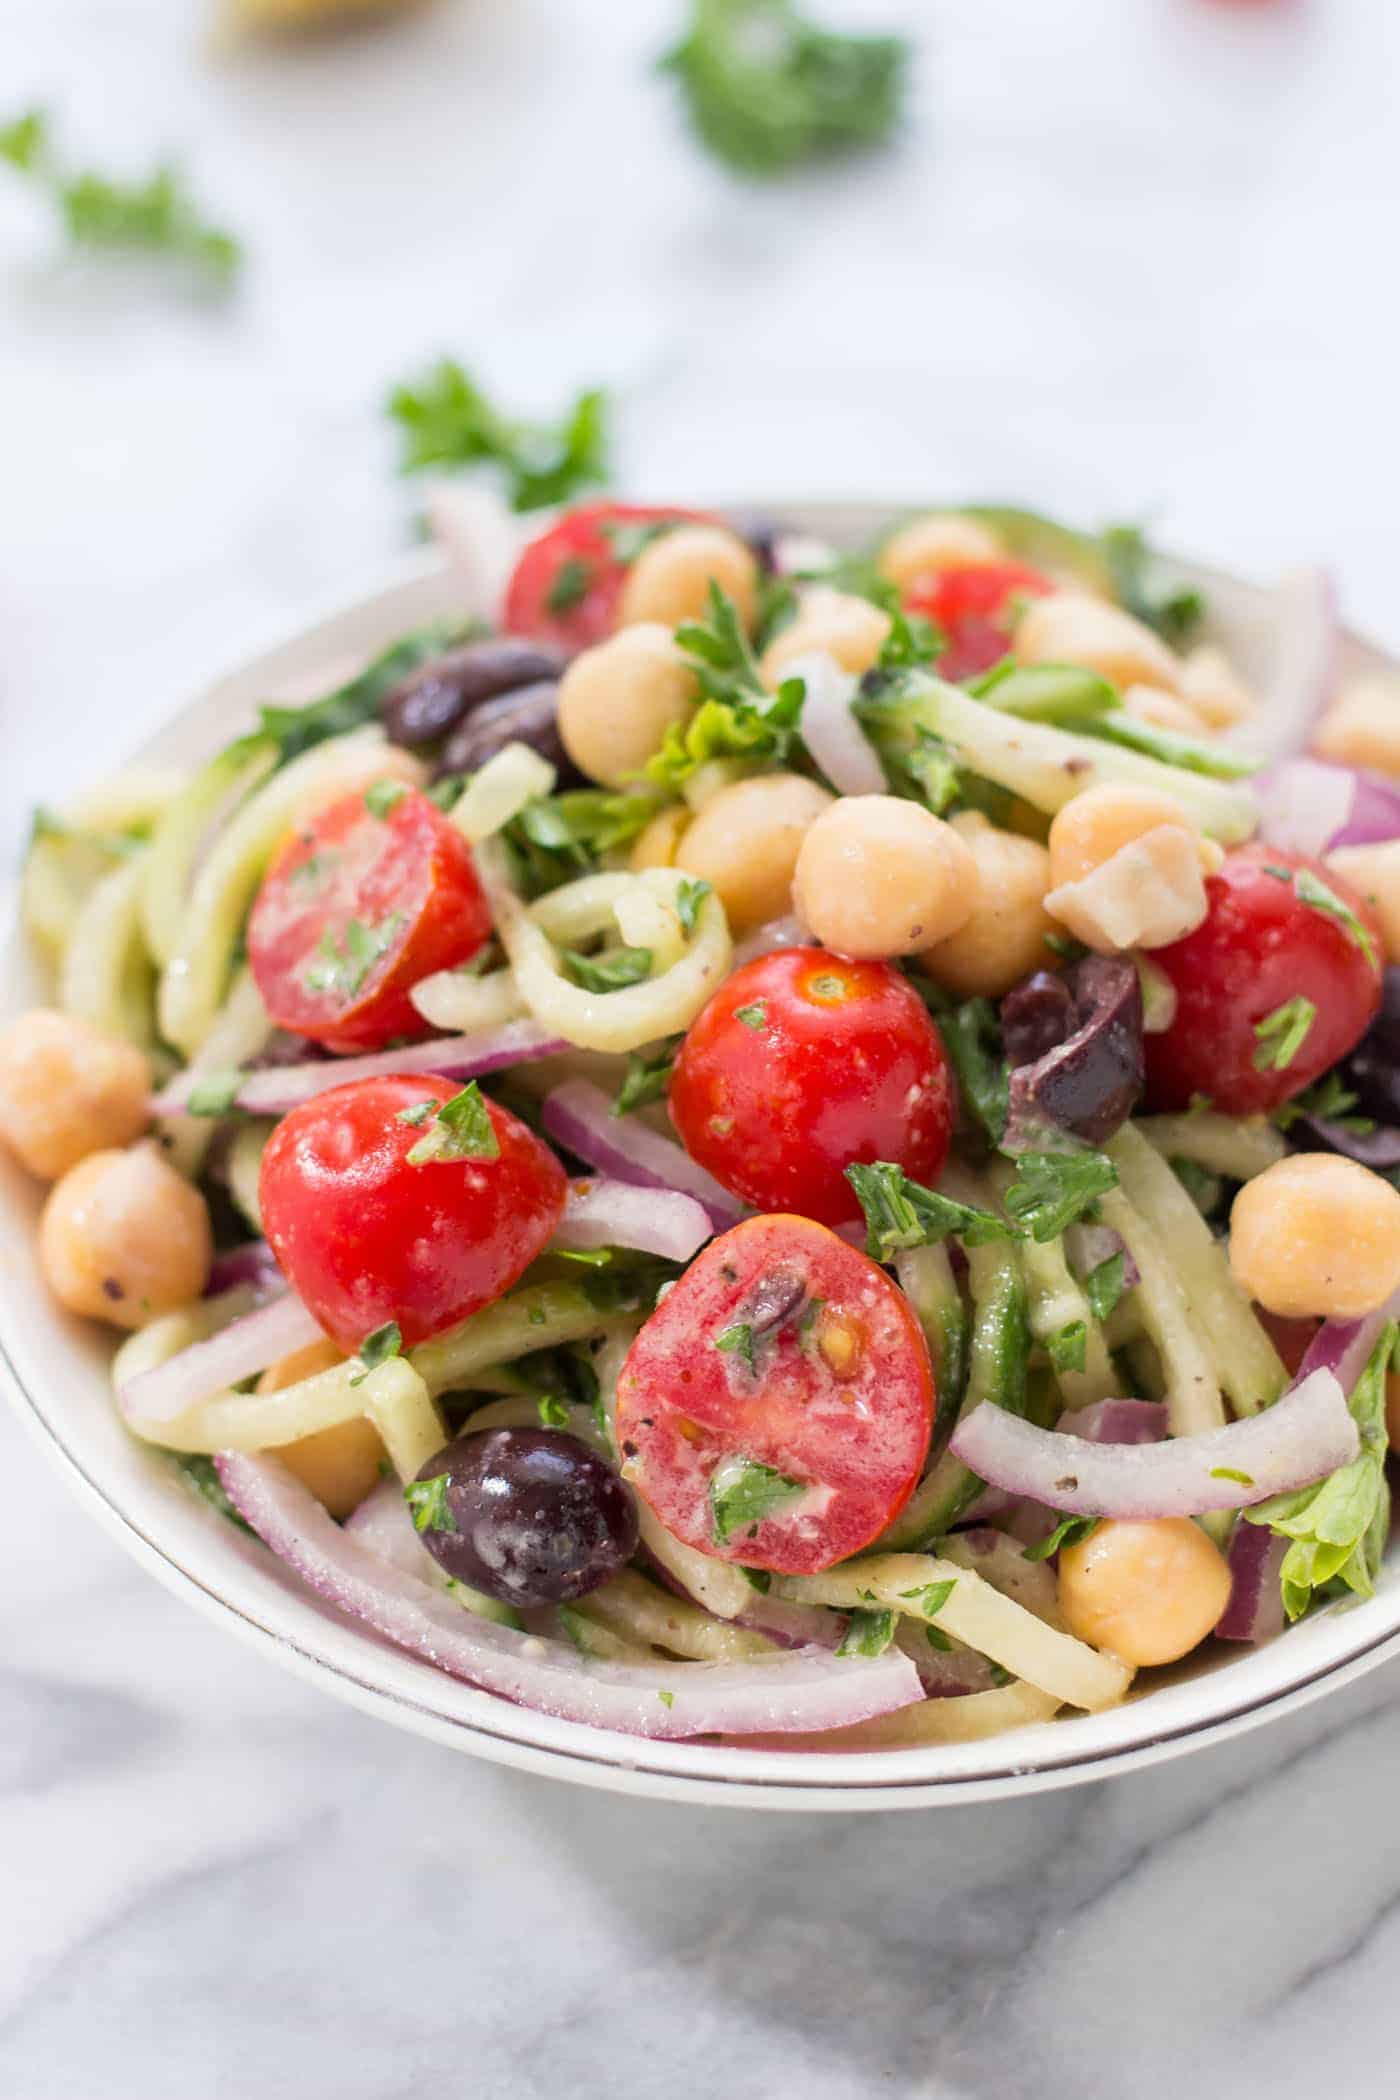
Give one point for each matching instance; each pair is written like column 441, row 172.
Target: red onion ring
column 1255, row 1610
column 618, row 1214
column 578, row 1115
column 235, row 1352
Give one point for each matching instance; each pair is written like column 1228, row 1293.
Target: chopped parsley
column 738, row 1341
column 647, row 1078
column 570, row 585
column 754, row 1017
column 930, row 1600
column 428, row 1503
column 1204, row 1188
column 1331, row 1101
column 1070, row 1531
column 743, row 1493
column 608, row 973
column 737, row 717
column 901, row 1213
column 1104, row 1286
column 1311, row 890
column 867, row 1633
column 552, row 1411
column 457, row 1129
column 668, row 1699
column 971, row 1035
column 1068, row 1347
column 1282, row 1034
column 912, row 640
column 154, row 217
column 376, row 1349
column 342, row 962
column 380, row 798
column 214, row 1093
column 690, row 895
column 446, row 421
column 1229, row 1473
column 1053, row 1189
column 350, row 706
column 630, row 538
column 418, row 1114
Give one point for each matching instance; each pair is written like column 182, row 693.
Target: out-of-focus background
column 1126, row 257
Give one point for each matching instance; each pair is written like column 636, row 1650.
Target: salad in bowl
column 768, row 1147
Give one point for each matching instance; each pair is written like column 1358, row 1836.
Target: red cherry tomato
column 803, row 1062
column 775, row 1410
column 566, row 584
column 365, row 1237
column 354, row 910
column 976, row 609
column 1261, row 946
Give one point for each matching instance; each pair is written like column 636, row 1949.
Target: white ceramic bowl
column 55, row 1372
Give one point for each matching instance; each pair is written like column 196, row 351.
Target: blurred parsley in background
column 446, row 421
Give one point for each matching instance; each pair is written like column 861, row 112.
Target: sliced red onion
column 992, row 1502
column 578, row 1116
column 1305, row 634
column 1304, row 804
column 790, row 1694
column 833, row 736
column 1375, row 812
column 383, row 1526
column 615, row 1214
column 253, row 1263
column 235, row 1352
column 793, row 1625
column 1117, row 1422
column 1091, row 1246
column 778, row 933
column 1301, row 1439
column 1255, row 1610
column 1378, row 1149
column 273, row 1093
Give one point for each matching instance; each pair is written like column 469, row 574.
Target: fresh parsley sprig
column 446, row 420
column 156, row 217
column 1054, row 1189
column 737, row 717
column 900, row 1213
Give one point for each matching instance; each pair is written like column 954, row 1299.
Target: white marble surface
column 1133, row 254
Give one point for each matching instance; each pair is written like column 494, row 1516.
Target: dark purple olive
column 530, row 1516
column 1036, row 1016
column 1372, row 1072
column 434, row 699
column 1089, row 1080
column 526, row 716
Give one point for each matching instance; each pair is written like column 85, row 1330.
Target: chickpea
column 671, row 577
column 1003, row 938
column 1213, row 689
column 617, row 701
column 67, row 1090
column 656, row 846
column 1095, row 825
column 123, row 1237
column 1070, row 628
column 938, row 540
column 1375, row 872
column 877, row 876
column 746, row 841
column 340, row 1465
column 1315, row 1234
column 1363, row 727
column 1161, row 711
column 1149, row 1590
column 848, row 628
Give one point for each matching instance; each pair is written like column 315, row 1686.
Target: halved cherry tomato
column 566, row 584
column 365, row 1237
column 1271, row 989
column 776, row 1408
column 355, row 909
column 803, row 1062
column 976, row 610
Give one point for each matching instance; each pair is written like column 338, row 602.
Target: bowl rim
column 255, row 1598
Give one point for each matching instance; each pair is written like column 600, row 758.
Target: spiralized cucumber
column 638, row 1611
column 515, row 776
column 460, row 1003
column 591, row 1638
column 966, row 1719
column 1192, row 1388
column 1055, row 1302
column 398, row 1402
column 244, row 1163
column 181, row 832
column 943, row 1594
column 238, row 1034
column 1246, row 1362
column 1237, row 1146
column 197, row 971
column 107, row 976
column 926, row 1278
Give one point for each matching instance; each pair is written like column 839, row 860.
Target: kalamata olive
column 1372, row 1072
column 1088, row 1081
column 530, row 1516
column 526, row 716
column 1036, row 1015
column 434, row 699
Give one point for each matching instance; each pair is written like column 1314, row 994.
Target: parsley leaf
column 570, row 585
column 446, row 421
column 1339, row 1528
column 608, row 973
column 690, row 895
column 647, row 1078
column 376, row 1349
column 1331, row 1101
column 1282, row 1034
column 737, row 1341
column 553, row 1413
column 972, row 1037
column 1174, row 609
column 765, row 89
column 737, row 717
column 203, row 1476
column 215, row 1093
column 1070, row 1531
column 754, row 1016
column 1052, row 1189
column 1204, row 1188
column 557, row 837
column 867, row 1633
column 381, row 797
column 743, row 1493
column 1068, row 1348
column 1311, row 890
column 428, row 1503
column 1104, row 1286
column 156, row 217
column 912, row 640
column 343, row 961
column 358, row 701
column 930, row 1600
column 459, row 1129
column 902, row 1213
